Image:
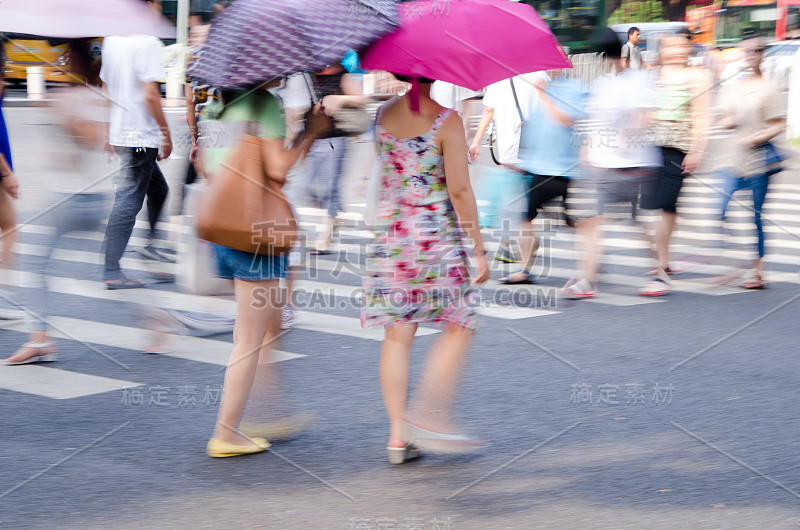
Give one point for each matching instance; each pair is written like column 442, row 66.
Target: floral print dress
column 416, row 268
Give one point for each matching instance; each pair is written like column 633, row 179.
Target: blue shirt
column 547, row 146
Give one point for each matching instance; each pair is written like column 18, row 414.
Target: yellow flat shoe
column 279, row 430
column 217, row 448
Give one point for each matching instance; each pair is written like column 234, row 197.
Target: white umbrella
column 72, row 19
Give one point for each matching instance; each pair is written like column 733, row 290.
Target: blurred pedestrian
column 138, row 132
column 417, row 269
column 81, row 184
column 681, row 128
column 752, row 108
column 504, row 104
column 548, row 153
column 9, row 187
column 620, row 156
column 256, row 276
column 336, row 89
column 631, row 54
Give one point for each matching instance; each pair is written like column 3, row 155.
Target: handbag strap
column 514, row 91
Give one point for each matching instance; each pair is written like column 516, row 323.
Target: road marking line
column 54, row 383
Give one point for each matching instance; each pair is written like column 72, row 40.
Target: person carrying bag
column 246, row 214
column 245, row 208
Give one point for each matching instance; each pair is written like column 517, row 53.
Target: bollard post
column 36, row 84
column 175, row 82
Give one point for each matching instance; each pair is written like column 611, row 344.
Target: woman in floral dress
column 417, row 268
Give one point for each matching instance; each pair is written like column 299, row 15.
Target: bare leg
column 589, row 231
column 267, row 399
column 394, row 368
column 434, row 402
column 325, row 237
column 528, row 245
column 254, row 333
column 663, row 237
column 8, row 224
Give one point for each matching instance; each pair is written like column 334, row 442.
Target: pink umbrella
column 82, row 18
column 470, row 43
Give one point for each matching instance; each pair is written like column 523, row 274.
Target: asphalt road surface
column 620, row 412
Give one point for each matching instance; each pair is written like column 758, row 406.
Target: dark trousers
column 141, row 177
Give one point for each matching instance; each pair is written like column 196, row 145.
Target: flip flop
column 508, row 281
column 123, row 283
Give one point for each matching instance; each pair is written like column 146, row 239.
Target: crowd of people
column 648, row 133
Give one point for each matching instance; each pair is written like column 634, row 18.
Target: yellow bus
column 22, row 51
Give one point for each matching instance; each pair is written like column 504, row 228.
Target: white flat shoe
column 48, row 357
column 401, row 455
column 438, row 442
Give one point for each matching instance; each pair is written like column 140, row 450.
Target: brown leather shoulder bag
column 244, row 207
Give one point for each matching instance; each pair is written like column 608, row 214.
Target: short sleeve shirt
column 507, row 121
column 614, row 108
column 751, row 103
column 128, row 64
column 633, row 54
column 220, row 132
column 549, row 147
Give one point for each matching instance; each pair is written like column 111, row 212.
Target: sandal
column 580, row 290
column 506, row 280
column 657, row 287
column 754, row 283
column 38, row 358
column 123, row 283
column 401, row 455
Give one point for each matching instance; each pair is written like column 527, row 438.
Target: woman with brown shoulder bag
column 245, row 213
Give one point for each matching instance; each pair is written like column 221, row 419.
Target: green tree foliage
column 633, row 11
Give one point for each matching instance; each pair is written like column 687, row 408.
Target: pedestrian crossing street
column 328, row 295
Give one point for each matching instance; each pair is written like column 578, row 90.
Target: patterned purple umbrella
column 258, row 40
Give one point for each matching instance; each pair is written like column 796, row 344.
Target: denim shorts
column 240, row 265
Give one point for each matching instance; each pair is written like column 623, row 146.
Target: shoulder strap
column 514, row 91
column 442, row 117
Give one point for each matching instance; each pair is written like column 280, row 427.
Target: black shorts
column 632, row 187
column 671, row 179
column 543, row 190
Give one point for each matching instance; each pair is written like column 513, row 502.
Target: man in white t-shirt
column 500, row 107
column 131, row 69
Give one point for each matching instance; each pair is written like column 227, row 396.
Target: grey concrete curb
column 25, row 102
